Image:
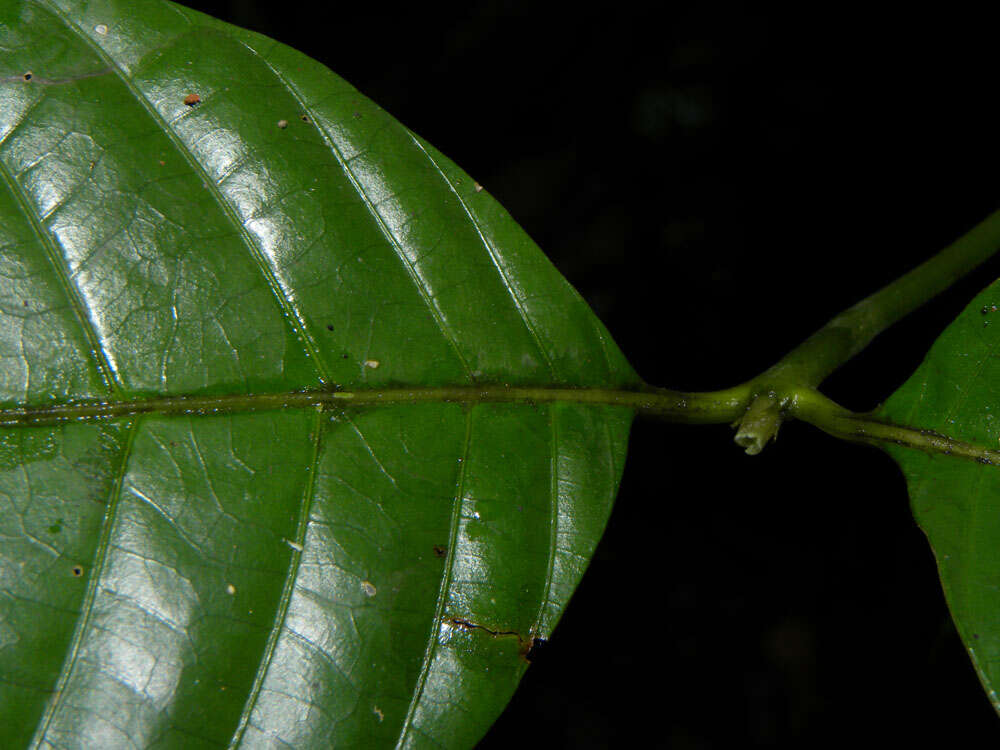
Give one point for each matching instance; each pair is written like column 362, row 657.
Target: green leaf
column 195, row 218
column 957, row 501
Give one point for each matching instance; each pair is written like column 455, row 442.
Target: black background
column 718, row 181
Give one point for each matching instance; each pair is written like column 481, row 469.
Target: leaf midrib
column 192, row 404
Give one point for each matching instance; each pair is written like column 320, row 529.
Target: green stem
column 843, row 337
column 851, row 331
column 759, row 423
column 813, row 407
column 763, row 415
column 758, row 406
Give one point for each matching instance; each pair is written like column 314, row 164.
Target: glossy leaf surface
column 957, row 501
column 187, row 208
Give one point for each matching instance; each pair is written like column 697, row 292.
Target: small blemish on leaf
column 282, row 124
column 372, row 363
column 478, row 188
column 329, row 327
column 294, row 545
column 101, row 29
column 304, row 118
column 77, row 571
column 192, row 99
column 28, row 75
column 230, row 589
column 369, row 588
column 378, row 714
column 440, row 550
column 535, row 646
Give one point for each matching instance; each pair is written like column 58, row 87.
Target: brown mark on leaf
column 527, row 648
column 461, row 622
column 192, row 99
column 28, row 76
column 77, row 571
column 440, row 550
column 531, row 649
column 304, row 118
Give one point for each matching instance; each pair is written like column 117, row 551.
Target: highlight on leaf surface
column 188, row 209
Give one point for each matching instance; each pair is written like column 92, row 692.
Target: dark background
column 718, row 181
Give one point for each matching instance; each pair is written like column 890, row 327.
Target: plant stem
column 718, row 407
column 848, row 333
column 759, row 423
column 797, row 374
column 758, row 406
column 813, row 407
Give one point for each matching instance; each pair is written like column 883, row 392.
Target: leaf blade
column 267, row 579
column 956, row 502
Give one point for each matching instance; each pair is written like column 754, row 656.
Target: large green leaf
column 957, row 501
column 188, row 209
